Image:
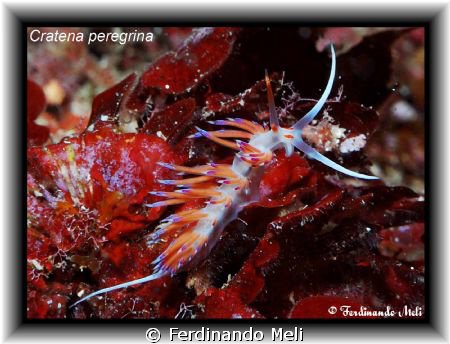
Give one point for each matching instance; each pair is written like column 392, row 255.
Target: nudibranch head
column 288, row 138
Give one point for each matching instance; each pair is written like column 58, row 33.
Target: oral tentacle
column 305, row 120
column 314, row 154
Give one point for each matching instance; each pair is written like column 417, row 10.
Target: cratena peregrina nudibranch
column 227, row 189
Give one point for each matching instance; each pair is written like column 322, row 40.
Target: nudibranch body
column 227, row 189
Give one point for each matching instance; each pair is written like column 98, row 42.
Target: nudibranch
column 226, row 189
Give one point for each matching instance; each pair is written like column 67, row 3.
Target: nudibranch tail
column 119, row 286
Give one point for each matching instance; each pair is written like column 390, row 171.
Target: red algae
column 317, row 244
